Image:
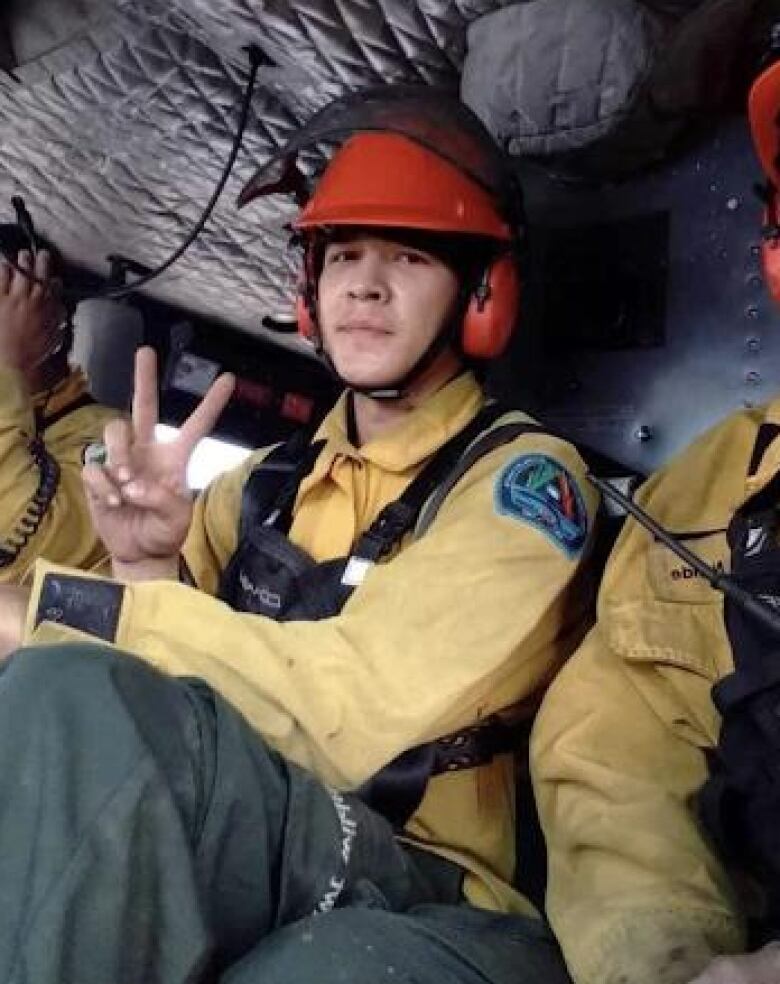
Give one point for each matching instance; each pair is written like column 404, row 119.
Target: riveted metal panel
column 640, row 389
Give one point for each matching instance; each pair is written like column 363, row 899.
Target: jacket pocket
column 674, row 654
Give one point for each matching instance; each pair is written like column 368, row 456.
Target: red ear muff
column 770, row 248
column 770, row 257
column 305, row 306
column 492, row 312
column 306, row 326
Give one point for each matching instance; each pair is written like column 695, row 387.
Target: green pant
column 147, row 835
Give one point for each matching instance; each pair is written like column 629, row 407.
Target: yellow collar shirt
column 348, row 486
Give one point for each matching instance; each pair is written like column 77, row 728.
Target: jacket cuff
column 69, row 598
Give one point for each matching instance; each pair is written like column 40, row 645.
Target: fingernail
column 114, row 501
column 123, row 474
column 134, row 489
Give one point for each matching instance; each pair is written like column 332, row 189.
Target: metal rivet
column 752, row 377
column 643, row 433
column 753, row 344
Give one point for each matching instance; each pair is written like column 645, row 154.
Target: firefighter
column 47, row 417
column 298, row 775
column 654, row 755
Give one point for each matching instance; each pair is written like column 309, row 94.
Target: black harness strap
column 45, row 421
column 488, row 442
column 399, row 517
column 768, row 498
column 398, row 789
column 273, row 484
column 269, row 498
column 766, row 434
column 739, row 805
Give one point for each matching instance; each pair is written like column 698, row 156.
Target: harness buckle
column 355, row 571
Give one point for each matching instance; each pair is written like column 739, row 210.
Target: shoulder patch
column 539, row 491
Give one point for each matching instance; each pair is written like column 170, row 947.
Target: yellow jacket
column 65, row 532
column 474, row 615
column 635, row 894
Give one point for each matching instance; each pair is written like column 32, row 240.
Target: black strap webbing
column 273, row 483
column 399, row 517
column 49, row 420
column 766, row 434
column 769, row 496
column 483, row 445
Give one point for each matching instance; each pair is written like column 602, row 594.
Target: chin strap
column 394, row 390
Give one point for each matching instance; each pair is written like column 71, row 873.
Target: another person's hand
column 13, row 611
column 138, row 499
column 31, row 312
column 761, row 967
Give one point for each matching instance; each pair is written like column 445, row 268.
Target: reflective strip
column 355, row 571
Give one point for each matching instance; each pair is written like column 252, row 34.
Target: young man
column 47, row 419
column 655, row 752
column 295, row 770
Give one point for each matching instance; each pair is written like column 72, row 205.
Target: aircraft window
column 210, row 458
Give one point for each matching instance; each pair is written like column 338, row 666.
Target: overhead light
column 210, row 458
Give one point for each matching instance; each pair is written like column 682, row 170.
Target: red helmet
column 385, row 179
column 764, row 116
column 411, row 157
column 763, row 112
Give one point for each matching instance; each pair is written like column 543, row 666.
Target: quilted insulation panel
column 116, row 126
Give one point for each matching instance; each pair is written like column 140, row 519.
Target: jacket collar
column 416, row 436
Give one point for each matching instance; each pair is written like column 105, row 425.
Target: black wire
column 768, row 617
column 118, row 292
column 246, row 103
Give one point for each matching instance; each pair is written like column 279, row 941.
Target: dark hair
column 466, row 255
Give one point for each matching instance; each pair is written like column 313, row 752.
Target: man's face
column 380, row 305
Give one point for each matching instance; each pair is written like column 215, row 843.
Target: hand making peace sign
column 138, row 499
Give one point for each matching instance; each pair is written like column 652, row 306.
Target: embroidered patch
column 91, row 605
column 539, row 491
